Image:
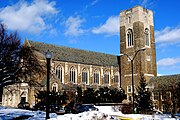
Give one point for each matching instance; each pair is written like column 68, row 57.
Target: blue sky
column 93, row 25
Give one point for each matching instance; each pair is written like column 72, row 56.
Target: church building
column 93, row 69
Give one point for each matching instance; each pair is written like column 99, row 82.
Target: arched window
column 73, row 75
column 55, row 87
column 146, row 37
column 116, row 77
column 96, row 76
column 129, row 38
column 85, row 76
column 59, row 73
column 106, row 77
column 129, row 19
column 129, row 89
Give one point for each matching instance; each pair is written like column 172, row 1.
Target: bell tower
column 136, row 32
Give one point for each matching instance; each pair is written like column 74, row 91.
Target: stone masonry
column 137, row 19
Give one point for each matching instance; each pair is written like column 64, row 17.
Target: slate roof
column 66, row 54
column 163, row 82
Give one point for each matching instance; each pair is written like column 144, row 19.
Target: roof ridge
column 71, row 48
column 62, row 53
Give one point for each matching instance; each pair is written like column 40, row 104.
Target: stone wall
column 90, row 68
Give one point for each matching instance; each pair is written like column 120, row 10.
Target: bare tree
column 18, row 63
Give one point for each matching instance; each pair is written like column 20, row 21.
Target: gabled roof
column 66, row 54
column 164, row 82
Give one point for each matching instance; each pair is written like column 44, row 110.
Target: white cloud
column 91, row 4
column 168, row 35
column 73, row 41
column 53, row 32
column 159, row 74
column 110, row 27
column 94, row 2
column 28, row 17
column 144, row 2
column 73, row 25
column 168, row 61
column 147, row 3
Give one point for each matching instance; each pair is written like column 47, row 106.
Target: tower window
column 96, row 77
column 145, row 17
column 85, row 76
column 129, row 19
column 148, row 58
column 146, row 37
column 72, row 75
column 59, row 73
column 130, row 38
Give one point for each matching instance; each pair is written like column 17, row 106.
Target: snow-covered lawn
column 104, row 113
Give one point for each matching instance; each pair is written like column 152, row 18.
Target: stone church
column 93, row 69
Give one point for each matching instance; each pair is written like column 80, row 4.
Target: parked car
column 86, row 107
column 91, row 107
column 78, row 108
column 24, row 105
column 60, row 111
column 54, row 107
column 177, row 115
column 81, row 108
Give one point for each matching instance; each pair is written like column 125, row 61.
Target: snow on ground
column 104, row 113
